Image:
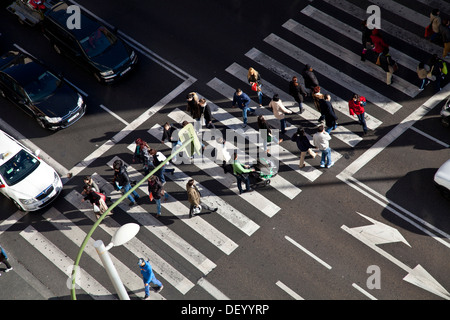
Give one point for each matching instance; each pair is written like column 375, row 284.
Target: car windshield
column 18, row 167
column 97, row 43
column 42, row 87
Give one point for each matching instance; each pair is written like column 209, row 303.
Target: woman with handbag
column 254, row 79
column 387, row 64
column 155, row 191
column 356, row 107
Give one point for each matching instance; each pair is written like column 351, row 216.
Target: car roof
column 8, row 147
column 59, row 14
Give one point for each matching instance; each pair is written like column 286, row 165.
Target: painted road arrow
column 380, row 233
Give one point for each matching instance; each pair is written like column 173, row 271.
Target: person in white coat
column 279, row 111
column 321, row 140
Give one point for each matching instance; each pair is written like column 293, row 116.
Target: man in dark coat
column 296, row 90
column 328, row 111
column 309, row 77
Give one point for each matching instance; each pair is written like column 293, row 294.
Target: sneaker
column 322, row 165
column 9, row 269
column 214, row 210
column 132, row 204
column 330, row 165
column 244, row 125
column 146, row 297
column 158, row 290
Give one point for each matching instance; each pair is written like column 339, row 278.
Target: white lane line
column 445, row 145
column 211, row 289
column 288, row 290
column 364, row 292
column 115, row 115
column 312, row 255
column 65, row 264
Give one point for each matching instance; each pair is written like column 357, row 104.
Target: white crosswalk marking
column 350, row 57
column 65, row 264
column 333, row 74
column 135, row 246
column 339, row 104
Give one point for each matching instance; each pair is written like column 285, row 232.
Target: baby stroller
column 264, row 170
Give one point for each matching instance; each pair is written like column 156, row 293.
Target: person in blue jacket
column 4, row 259
column 242, row 100
column 148, row 276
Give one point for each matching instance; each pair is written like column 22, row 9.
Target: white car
column 442, row 179
column 29, row 182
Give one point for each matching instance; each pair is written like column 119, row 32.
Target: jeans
column 127, row 188
column 147, row 285
column 244, row 113
column 265, row 142
column 423, row 83
column 334, row 126
column 240, row 178
column 283, row 125
column 175, row 144
column 158, row 203
column 160, row 173
column 362, row 121
column 326, row 157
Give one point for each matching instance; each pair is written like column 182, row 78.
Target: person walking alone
column 303, row 145
column 155, row 192
column 327, row 110
column 279, row 111
column 242, row 101
column 297, row 91
column 321, row 140
column 149, row 277
column 310, row 78
column 422, row 73
column 4, row 259
column 254, row 79
column 194, row 198
column 122, row 180
column 356, row 108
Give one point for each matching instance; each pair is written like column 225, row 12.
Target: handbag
column 378, row 60
column 444, row 68
column 430, row 74
column 428, row 31
column 254, row 86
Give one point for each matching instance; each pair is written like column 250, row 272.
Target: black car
column 96, row 48
column 47, row 97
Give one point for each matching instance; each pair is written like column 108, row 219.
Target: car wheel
column 57, row 49
column 98, row 78
column 446, row 122
column 41, row 123
column 17, row 205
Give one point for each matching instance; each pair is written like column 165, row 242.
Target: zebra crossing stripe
column 72, row 232
column 286, row 73
column 65, row 264
column 241, row 73
column 285, row 156
column 332, row 73
column 351, row 58
column 356, row 35
column 389, row 28
column 165, row 234
column 135, row 246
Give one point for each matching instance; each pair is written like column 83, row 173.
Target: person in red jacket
column 356, row 106
column 378, row 42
